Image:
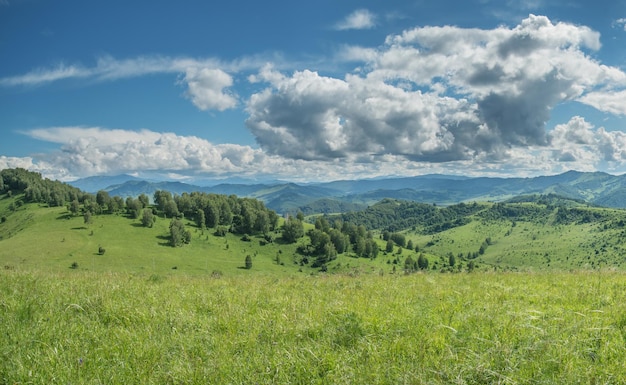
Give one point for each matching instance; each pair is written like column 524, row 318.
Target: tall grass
column 80, row 327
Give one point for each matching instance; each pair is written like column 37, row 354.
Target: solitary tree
column 178, row 234
column 451, row 260
column 74, row 207
column 422, row 262
column 87, row 217
column 389, row 247
column 147, row 219
column 248, row 262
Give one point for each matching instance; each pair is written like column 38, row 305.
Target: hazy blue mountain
column 94, row 184
column 597, row 188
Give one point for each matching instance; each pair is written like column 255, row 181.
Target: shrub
column 101, row 250
column 248, row 262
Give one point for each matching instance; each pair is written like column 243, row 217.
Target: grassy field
column 81, row 327
column 148, row 313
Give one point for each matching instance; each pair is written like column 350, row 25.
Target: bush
column 74, row 265
column 248, row 262
column 101, row 250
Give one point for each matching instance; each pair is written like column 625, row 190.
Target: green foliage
column 394, row 215
column 398, row 239
column 293, row 229
column 248, row 262
column 422, row 262
column 87, row 218
column 178, row 234
column 37, row 189
column 389, row 246
column 147, row 218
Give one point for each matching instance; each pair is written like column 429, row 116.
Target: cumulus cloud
column 621, row 23
column 437, row 94
column 206, row 89
column 579, row 142
column 87, row 151
column 359, row 19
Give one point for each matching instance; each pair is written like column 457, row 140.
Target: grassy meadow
column 145, row 312
column 82, row 327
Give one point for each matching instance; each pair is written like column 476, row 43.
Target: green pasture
column 54, row 240
column 85, row 327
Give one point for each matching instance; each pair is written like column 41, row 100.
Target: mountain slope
column 597, row 188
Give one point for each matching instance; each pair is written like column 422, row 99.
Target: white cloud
column 621, row 22
column 438, row 94
column 206, row 89
column 208, row 85
column 43, row 167
column 613, row 102
column 359, row 19
column 42, row 76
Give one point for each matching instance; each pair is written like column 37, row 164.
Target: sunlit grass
column 511, row 328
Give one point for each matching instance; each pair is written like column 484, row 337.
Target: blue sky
column 312, row 91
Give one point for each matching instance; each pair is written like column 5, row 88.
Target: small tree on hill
column 389, row 246
column 248, row 262
column 87, row 217
column 451, row 260
column 147, row 219
column 422, row 262
column 178, row 234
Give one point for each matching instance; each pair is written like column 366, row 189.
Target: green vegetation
column 507, row 328
column 92, row 291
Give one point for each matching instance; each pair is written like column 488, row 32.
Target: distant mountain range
column 596, row 188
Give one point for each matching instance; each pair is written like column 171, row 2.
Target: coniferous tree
column 422, row 262
column 389, row 247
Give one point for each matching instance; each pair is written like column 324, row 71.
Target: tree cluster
column 326, row 241
column 395, row 215
column 238, row 215
column 37, row 189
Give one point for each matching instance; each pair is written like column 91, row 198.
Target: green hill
column 43, row 226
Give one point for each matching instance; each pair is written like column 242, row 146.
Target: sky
column 312, row 91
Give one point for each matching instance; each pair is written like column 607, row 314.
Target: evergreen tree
column 248, row 262
column 422, row 262
column 389, row 247
column 409, row 264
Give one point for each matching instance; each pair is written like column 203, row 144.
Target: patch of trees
column 395, row 215
column 329, row 206
column 526, row 212
column 579, row 215
column 326, row 241
column 237, row 215
column 412, row 265
column 37, row 189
